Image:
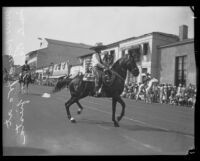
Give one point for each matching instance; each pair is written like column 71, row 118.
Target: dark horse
column 80, row 89
column 24, row 81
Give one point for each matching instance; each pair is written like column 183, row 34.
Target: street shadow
column 132, row 127
column 18, row 151
column 148, row 128
column 96, row 122
column 29, row 94
column 35, row 94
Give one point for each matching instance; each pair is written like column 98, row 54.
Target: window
column 64, row 65
column 112, row 52
column 55, row 67
column 180, row 71
column 111, row 57
column 59, row 66
column 145, row 48
column 144, row 70
column 123, row 53
column 136, row 53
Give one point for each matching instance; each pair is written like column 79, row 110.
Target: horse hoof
column 79, row 112
column 119, row 118
column 116, row 124
column 73, row 120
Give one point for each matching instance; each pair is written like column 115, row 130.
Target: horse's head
column 131, row 65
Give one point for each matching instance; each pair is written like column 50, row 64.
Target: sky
column 22, row 26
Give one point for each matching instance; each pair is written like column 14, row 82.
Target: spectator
column 172, row 96
column 164, row 93
column 164, row 99
column 161, row 93
column 178, row 93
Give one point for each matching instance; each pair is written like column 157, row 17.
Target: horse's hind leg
column 123, row 108
column 20, row 87
column 27, row 88
column 67, row 106
column 80, row 107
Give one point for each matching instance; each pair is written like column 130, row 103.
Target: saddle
column 108, row 77
column 89, row 77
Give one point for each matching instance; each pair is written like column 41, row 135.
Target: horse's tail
column 61, row 84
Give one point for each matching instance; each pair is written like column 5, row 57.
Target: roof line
column 134, row 38
column 178, row 43
column 60, row 43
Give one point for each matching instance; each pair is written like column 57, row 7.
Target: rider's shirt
column 25, row 67
column 96, row 60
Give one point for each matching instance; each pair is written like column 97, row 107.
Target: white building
column 146, row 52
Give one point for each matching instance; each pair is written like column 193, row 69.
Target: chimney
column 99, row 44
column 183, row 32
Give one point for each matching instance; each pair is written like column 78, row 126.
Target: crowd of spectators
column 164, row 94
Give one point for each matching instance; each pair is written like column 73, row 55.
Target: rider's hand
column 105, row 69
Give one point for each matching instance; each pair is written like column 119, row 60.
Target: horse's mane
column 116, row 64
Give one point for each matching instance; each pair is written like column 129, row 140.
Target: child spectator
column 161, row 92
column 164, row 99
column 172, row 96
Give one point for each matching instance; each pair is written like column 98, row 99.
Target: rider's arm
column 96, row 61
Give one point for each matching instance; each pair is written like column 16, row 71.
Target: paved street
column 146, row 129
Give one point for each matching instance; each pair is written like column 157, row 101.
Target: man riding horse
column 25, row 70
column 99, row 67
column 80, row 89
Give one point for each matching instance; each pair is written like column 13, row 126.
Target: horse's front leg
column 119, row 99
column 114, row 102
column 20, row 87
column 67, row 106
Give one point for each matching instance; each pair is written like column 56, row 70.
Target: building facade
column 167, row 57
column 145, row 51
column 54, row 57
column 177, row 63
column 177, row 60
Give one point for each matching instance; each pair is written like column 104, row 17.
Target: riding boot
column 98, row 82
column 97, row 92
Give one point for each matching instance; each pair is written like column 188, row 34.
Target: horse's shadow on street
column 133, row 127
